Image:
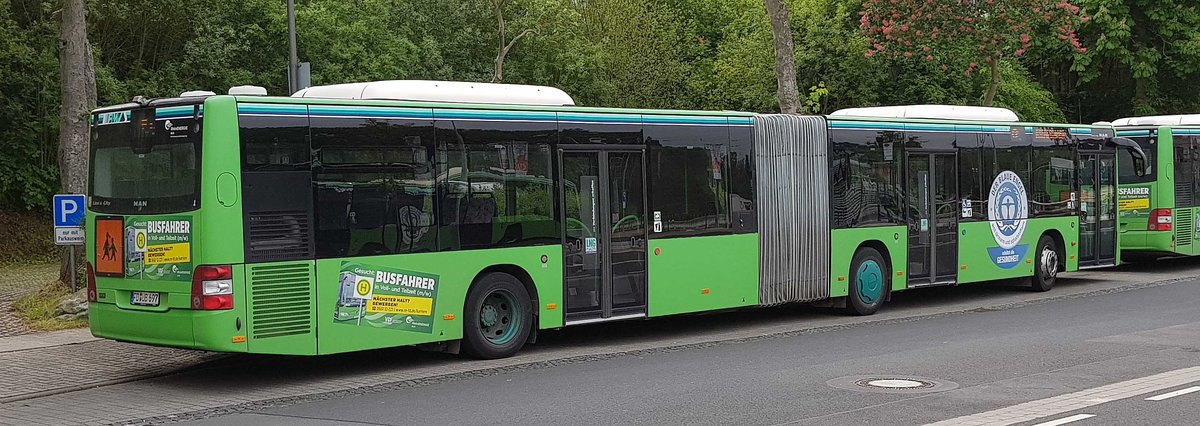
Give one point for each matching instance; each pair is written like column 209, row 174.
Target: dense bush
column 27, row 237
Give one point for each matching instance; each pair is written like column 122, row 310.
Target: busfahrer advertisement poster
column 384, row 297
column 159, row 248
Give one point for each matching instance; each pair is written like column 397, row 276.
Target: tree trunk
column 1141, row 97
column 990, row 97
column 785, row 61
column 78, row 98
column 498, row 72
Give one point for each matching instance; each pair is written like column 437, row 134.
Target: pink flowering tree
column 968, row 35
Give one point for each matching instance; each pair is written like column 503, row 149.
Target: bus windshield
column 145, row 161
column 1125, row 165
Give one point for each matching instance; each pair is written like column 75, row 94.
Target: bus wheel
column 868, row 282
column 1046, row 264
column 497, row 317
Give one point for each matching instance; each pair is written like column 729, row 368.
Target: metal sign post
column 68, row 227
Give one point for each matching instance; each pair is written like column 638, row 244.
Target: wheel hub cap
column 488, row 316
column 869, row 280
column 1049, row 260
column 499, row 317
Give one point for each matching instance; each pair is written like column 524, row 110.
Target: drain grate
column 891, row 383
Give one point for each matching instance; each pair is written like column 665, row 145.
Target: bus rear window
column 145, row 161
column 1125, row 162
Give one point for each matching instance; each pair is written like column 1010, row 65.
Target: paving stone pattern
column 15, row 282
column 98, row 362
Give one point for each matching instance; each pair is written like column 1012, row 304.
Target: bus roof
column 442, row 91
column 1159, row 120
column 943, row 112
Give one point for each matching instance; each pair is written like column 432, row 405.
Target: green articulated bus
column 470, row 216
column 1159, row 209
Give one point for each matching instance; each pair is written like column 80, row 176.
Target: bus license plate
column 144, row 298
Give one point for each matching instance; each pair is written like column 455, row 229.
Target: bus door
column 933, row 205
column 1097, row 209
column 604, row 234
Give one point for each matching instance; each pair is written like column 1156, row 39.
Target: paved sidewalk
column 41, row 364
column 16, row 281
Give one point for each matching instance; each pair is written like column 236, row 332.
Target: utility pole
column 293, row 61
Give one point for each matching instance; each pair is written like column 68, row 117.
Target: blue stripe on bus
column 1081, row 131
column 600, row 118
column 865, row 125
column 549, row 116
column 374, row 112
column 272, row 109
column 175, row 111
column 1134, row 133
column 685, row 119
column 467, row 114
column 1185, row 131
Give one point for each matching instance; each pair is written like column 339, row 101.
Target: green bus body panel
column 220, row 158
column 726, row 265
column 279, row 299
column 974, row 239
column 455, row 271
column 1135, row 237
column 845, row 242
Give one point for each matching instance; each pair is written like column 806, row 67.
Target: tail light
column 212, row 288
column 1160, row 220
column 91, row 282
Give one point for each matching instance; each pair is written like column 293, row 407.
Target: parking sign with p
column 68, row 219
column 68, row 209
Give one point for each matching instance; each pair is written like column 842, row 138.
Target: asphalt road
column 991, row 364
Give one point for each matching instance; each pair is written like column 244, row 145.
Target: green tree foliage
column 1154, row 46
column 691, row 54
column 29, row 93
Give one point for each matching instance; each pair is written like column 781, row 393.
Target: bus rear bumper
column 181, row 328
column 1148, row 242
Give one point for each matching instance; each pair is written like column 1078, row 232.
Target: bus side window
column 687, row 178
column 495, row 185
column 742, row 204
column 373, row 181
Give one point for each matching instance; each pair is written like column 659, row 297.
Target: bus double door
column 1097, row 209
column 603, row 195
column 931, row 190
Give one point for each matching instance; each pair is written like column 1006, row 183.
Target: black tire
column 1045, row 264
column 497, row 317
column 870, row 282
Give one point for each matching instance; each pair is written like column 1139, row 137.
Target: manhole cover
column 894, row 383
column 891, row 383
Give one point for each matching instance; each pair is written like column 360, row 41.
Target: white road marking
column 1174, row 394
column 1066, row 420
column 1076, row 401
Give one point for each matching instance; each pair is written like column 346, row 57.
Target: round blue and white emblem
column 1008, row 209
